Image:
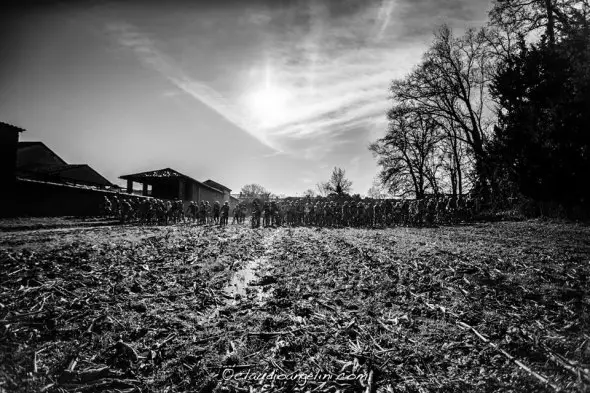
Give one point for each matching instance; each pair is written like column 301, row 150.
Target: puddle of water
column 241, row 279
column 244, row 281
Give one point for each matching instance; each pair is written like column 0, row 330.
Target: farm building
column 226, row 191
column 37, row 182
column 170, row 184
column 35, row 161
column 227, row 195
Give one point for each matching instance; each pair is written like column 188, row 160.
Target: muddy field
column 483, row 307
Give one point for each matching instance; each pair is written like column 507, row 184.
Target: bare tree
column 337, row 184
column 254, row 191
column 377, row 191
column 552, row 17
column 309, row 193
column 322, row 189
column 394, row 176
column 406, row 153
column 454, row 158
column 450, row 86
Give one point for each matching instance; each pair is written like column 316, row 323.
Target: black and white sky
column 275, row 92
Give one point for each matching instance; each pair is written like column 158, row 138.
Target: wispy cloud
column 335, row 70
column 339, row 77
column 145, row 49
column 384, row 16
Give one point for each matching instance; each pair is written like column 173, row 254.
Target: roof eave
column 134, row 177
column 19, row 129
column 221, row 186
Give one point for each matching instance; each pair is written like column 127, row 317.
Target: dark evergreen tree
column 542, row 140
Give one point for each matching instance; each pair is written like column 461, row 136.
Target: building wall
column 39, row 199
column 187, row 191
column 165, row 191
column 42, row 199
column 220, row 187
column 233, row 202
column 8, row 146
column 226, row 196
column 206, row 194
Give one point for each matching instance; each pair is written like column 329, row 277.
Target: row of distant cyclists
column 163, row 211
column 365, row 213
column 302, row 212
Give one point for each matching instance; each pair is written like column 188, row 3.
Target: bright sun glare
column 268, row 105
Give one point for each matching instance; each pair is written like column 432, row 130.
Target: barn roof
column 6, row 126
column 166, row 173
column 36, row 160
column 68, row 172
column 217, row 185
column 29, row 144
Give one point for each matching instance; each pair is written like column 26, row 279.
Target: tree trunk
column 459, row 174
column 421, row 184
column 481, row 170
column 550, row 22
column 433, row 184
column 454, row 182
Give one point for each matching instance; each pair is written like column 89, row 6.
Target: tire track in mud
column 297, row 328
column 245, row 278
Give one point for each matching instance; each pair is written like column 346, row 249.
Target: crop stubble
column 486, row 307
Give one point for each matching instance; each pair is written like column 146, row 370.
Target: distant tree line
column 501, row 112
